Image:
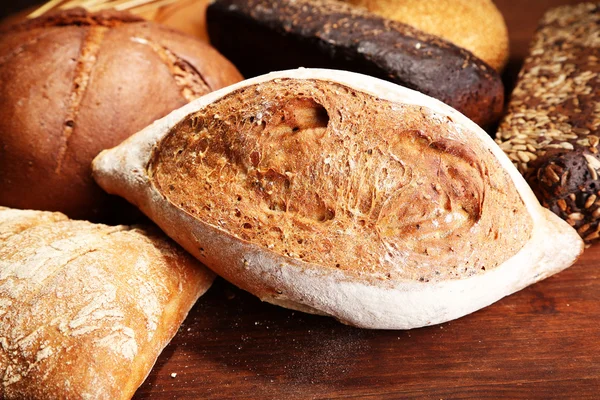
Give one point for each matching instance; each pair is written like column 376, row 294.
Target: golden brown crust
column 75, row 83
column 407, row 191
column 86, row 309
column 475, row 25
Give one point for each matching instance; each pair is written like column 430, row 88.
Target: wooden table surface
column 542, row 342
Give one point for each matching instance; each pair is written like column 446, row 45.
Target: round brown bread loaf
column 73, row 83
column 475, row 25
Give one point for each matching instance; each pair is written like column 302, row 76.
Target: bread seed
column 592, row 236
column 562, row 204
column 590, row 201
column 581, row 131
column 592, row 161
column 550, row 174
column 523, row 156
column 583, row 229
column 576, row 216
column 593, row 173
column 567, row 145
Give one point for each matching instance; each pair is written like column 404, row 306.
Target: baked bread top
column 85, row 309
column 333, row 176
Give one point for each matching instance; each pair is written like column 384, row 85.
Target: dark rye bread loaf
column 552, row 129
column 260, row 36
column 73, row 83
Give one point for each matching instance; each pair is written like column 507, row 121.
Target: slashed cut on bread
column 85, row 309
column 341, row 194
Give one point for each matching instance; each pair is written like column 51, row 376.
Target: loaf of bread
column 261, row 36
column 552, row 128
column 341, row 194
column 73, row 83
column 475, row 25
column 187, row 16
column 85, row 309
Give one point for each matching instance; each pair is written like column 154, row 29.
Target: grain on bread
column 261, row 36
column 85, row 309
column 74, row 83
column 552, row 129
column 341, row 194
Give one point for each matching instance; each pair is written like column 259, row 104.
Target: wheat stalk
column 45, row 8
column 134, row 6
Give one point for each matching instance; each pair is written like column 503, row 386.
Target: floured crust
column 264, row 164
column 549, row 246
column 86, row 309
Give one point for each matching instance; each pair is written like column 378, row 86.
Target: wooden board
column 542, row 342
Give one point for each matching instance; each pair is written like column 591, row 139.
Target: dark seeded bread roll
column 552, row 129
column 73, row 83
column 260, row 36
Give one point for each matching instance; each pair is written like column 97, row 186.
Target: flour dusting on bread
column 78, row 294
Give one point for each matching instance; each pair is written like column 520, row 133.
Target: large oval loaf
column 337, row 193
column 261, row 36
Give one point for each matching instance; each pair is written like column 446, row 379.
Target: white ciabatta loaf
column 340, row 194
column 85, row 309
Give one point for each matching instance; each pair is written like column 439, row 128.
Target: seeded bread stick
column 552, row 128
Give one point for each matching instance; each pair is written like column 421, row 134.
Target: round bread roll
column 475, row 25
column 74, row 83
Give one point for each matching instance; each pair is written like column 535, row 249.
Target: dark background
column 9, row 7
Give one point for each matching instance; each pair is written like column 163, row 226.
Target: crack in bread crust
column 338, row 178
column 85, row 64
column 189, row 80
